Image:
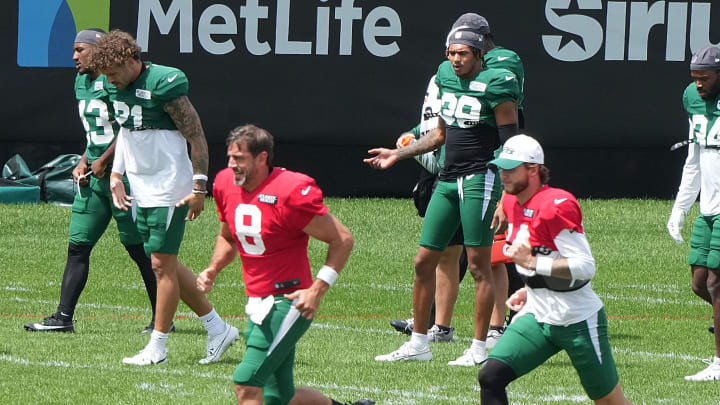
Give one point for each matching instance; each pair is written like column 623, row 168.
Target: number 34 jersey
column 96, row 113
column 267, row 225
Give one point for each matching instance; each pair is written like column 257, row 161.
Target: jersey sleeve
column 171, row 85
column 502, row 87
column 303, row 203
column 564, row 213
column 686, row 99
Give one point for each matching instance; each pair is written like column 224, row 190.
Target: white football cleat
column 493, row 336
column 470, row 358
column 218, row 344
column 147, row 357
column 407, row 352
column 711, row 373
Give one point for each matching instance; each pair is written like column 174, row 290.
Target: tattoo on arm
column 188, row 122
column 425, row 144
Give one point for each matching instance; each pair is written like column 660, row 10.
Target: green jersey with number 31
column 96, row 113
column 703, row 116
column 140, row 105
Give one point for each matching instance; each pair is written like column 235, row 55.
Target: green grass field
column 658, row 328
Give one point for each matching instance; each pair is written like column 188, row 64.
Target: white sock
column 418, row 340
column 477, row 345
column 716, row 360
column 213, row 323
column 158, row 340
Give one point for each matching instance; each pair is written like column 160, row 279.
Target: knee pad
column 495, row 375
column 713, row 259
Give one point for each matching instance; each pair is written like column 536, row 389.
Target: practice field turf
column 658, row 328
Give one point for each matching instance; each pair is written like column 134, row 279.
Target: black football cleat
column 403, row 325
column 51, row 324
column 151, row 326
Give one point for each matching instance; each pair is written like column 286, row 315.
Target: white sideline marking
column 164, row 388
column 16, row 286
column 86, row 305
column 123, row 369
column 666, row 288
column 403, row 397
column 658, row 355
column 651, row 300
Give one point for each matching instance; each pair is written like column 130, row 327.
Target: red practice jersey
column 267, row 225
column 544, row 216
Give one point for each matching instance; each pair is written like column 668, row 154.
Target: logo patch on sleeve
column 268, row 199
column 478, row 86
column 144, row 94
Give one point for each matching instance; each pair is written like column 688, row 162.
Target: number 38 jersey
column 96, row 113
column 267, row 225
column 467, row 106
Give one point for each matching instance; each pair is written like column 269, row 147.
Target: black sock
column 75, row 277
column 443, row 328
column 497, row 328
column 137, row 253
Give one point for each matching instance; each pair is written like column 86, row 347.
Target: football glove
column 675, row 224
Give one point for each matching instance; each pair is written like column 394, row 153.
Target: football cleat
column 470, row 358
column 407, row 352
column 435, row 334
column 147, row 357
column 711, row 373
column 151, row 327
column 362, row 402
column 711, row 329
column 493, row 335
column 51, row 324
column 403, row 325
column 218, row 344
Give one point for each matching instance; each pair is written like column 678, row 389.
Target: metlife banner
column 332, row 78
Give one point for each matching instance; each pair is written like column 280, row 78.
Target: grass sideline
column 657, row 325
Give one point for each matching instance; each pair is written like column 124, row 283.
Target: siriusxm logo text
column 624, row 28
column 217, row 27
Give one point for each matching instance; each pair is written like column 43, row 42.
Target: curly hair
column 115, row 48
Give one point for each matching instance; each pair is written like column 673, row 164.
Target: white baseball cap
column 518, row 150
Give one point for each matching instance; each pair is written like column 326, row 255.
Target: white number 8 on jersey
column 248, row 233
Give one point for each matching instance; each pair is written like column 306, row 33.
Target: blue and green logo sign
column 47, row 29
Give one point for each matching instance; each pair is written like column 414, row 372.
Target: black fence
column 330, row 79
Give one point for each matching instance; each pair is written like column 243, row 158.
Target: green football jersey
column 467, row 107
column 703, row 116
column 140, row 105
column 500, row 57
column 96, row 113
column 467, row 103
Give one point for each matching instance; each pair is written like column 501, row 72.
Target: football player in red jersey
column 558, row 309
column 268, row 215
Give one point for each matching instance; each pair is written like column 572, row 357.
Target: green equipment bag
column 51, row 183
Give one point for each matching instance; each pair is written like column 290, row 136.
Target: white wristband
column 544, row 266
column 200, row 177
column 327, row 274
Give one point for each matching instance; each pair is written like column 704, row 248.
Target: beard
column 517, row 187
column 240, row 178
